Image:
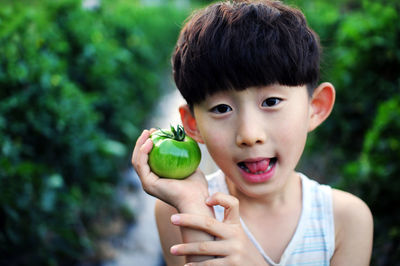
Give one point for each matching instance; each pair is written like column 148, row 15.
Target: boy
column 248, row 71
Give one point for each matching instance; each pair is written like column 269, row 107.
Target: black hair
column 236, row 45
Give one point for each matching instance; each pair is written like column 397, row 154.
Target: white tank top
column 313, row 242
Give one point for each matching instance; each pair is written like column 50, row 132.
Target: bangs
column 236, row 46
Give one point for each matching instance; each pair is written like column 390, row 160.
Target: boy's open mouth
column 257, row 167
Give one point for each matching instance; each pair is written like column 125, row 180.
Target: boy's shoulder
column 348, row 207
column 353, row 227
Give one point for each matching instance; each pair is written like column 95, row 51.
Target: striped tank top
column 313, row 242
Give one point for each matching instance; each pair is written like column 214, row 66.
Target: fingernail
column 173, row 250
column 175, row 218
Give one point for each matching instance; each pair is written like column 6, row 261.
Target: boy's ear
column 322, row 102
column 189, row 123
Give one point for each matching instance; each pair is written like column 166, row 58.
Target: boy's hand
column 232, row 247
column 185, row 195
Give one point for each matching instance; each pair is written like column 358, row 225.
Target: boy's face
column 256, row 136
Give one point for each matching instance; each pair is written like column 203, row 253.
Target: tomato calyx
column 177, row 134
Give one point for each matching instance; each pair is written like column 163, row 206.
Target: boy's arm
column 233, row 246
column 171, row 235
column 353, row 229
column 186, row 196
column 168, row 233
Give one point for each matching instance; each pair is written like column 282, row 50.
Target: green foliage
column 76, row 85
column 375, row 178
column 365, row 70
column 362, row 59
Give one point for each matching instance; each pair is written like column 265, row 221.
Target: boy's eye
column 221, row 109
column 271, row 102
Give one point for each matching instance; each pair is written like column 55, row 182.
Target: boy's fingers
column 147, row 146
column 140, row 160
column 206, row 248
column 214, row 262
column 203, row 223
column 139, row 142
column 230, row 203
column 142, row 148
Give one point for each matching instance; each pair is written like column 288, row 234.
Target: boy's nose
column 250, row 132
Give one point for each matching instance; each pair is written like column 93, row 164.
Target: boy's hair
column 241, row 44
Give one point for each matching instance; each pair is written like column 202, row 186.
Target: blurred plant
column 362, row 59
column 365, row 70
column 76, row 85
column 374, row 177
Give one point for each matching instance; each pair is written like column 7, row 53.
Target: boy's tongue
column 259, row 166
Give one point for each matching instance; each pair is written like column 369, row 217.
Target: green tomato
column 174, row 154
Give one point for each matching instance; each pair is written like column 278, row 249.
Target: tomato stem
column 179, row 133
column 176, row 134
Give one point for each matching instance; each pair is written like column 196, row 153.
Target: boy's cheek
column 293, row 136
column 215, row 143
